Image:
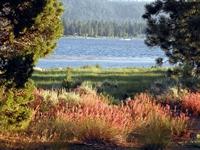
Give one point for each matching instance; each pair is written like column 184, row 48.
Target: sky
column 132, row 0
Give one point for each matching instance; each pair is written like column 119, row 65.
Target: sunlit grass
column 129, row 80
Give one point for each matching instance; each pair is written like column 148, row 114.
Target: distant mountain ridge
column 103, row 10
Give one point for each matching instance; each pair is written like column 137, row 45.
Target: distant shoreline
column 76, row 51
column 102, row 37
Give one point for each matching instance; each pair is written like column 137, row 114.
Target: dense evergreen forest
column 104, row 28
column 103, row 18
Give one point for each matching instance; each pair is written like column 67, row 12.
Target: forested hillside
column 103, row 18
column 103, row 10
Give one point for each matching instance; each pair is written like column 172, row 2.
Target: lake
column 77, row 52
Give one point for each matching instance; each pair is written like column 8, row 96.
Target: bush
column 191, row 83
column 191, row 102
column 15, row 113
column 97, row 131
column 155, row 125
column 107, row 86
column 86, row 87
column 96, row 67
column 168, row 89
column 69, row 82
column 69, row 97
column 94, row 120
column 155, row 133
column 98, row 123
column 159, row 130
column 50, row 98
column 52, row 130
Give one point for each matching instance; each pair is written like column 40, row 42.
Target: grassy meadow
column 79, row 108
column 118, row 82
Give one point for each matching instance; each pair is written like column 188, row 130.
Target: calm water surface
column 76, row 52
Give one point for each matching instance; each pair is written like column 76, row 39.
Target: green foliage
column 51, row 98
column 17, row 71
column 14, row 111
column 175, row 27
column 68, row 82
column 29, row 31
column 103, row 10
column 95, row 18
column 186, row 77
column 155, row 134
column 103, row 28
column 107, row 85
column 70, row 97
column 168, row 89
column 129, row 81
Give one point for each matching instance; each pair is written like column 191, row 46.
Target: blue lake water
column 77, row 52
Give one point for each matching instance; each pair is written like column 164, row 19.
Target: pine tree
column 28, row 31
column 174, row 25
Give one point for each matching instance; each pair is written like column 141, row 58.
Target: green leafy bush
column 186, row 76
column 107, row 86
column 167, row 89
column 14, row 111
column 69, row 82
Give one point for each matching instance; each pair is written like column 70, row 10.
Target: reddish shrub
column 191, row 102
column 93, row 120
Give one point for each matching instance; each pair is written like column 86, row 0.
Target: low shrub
column 70, row 83
column 96, row 67
column 93, row 120
column 51, row 98
column 87, row 87
column 157, row 125
column 15, row 113
column 52, row 130
column 69, row 97
column 97, row 131
column 110, row 99
column 107, row 86
column 168, row 89
column 191, row 103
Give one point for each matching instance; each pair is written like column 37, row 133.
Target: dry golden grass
column 93, row 120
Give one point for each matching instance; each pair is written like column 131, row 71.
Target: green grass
column 123, row 82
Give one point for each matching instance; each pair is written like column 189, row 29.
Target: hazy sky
column 132, row 0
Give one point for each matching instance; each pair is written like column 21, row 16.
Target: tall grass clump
column 93, row 120
column 155, row 126
column 51, row 98
column 97, row 122
column 191, row 103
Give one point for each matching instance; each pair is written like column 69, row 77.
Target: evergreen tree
column 29, row 30
column 174, row 25
column 96, row 28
